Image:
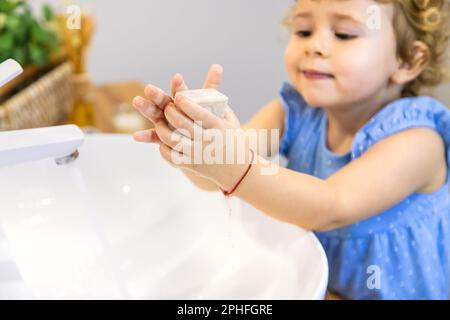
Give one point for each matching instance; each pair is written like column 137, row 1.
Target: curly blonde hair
column 418, row 20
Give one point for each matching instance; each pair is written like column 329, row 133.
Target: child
column 367, row 156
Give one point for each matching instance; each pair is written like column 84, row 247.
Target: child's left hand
column 199, row 141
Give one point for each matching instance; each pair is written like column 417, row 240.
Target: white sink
column 120, row 223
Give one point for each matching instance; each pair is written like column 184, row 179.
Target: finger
column 214, row 77
column 178, row 84
column 197, row 113
column 147, row 109
column 173, row 157
column 181, row 121
column 147, row 136
column 157, row 96
column 230, row 116
column 173, row 139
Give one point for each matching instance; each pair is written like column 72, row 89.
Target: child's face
column 358, row 56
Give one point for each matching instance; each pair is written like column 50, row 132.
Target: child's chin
column 315, row 97
column 315, row 101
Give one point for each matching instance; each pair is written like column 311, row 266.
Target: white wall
column 150, row 40
column 154, row 39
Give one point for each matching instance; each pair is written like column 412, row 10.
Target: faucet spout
column 67, row 159
column 60, row 143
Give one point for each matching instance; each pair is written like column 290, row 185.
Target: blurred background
column 135, row 42
column 151, row 40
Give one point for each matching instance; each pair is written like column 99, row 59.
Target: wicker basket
column 43, row 103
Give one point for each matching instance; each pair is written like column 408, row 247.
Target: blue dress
column 401, row 253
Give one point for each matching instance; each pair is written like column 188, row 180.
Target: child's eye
column 344, row 36
column 303, row 34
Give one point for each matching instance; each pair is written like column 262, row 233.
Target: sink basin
column 120, row 223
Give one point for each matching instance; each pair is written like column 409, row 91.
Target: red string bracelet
column 230, row 193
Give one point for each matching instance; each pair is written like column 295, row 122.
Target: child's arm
column 200, row 182
column 407, row 162
column 270, row 117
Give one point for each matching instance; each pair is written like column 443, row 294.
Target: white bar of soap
column 210, row 99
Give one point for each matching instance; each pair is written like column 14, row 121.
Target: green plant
column 24, row 37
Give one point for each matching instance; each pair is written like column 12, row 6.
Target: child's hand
column 189, row 145
column 152, row 107
column 213, row 80
column 162, row 111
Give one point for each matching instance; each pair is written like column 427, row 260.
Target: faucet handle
column 9, row 70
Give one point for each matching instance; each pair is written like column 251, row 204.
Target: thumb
column 214, row 77
column 178, row 84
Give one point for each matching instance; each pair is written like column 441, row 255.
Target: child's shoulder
column 413, row 109
column 404, row 114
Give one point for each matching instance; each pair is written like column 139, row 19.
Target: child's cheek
column 291, row 61
column 360, row 70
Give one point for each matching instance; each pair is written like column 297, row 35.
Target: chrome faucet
column 59, row 142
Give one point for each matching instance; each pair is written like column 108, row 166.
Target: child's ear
column 408, row 71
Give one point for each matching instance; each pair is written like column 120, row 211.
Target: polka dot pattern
column 408, row 244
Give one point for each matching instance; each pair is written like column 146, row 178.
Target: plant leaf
column 19, row 54
column 38, row 34
column 47, row 12
column 37, row 55
column 6, row 42
column 13, row 22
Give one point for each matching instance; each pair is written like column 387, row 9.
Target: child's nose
column 317, row 45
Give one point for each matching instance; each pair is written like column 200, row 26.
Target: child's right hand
column 156, row 100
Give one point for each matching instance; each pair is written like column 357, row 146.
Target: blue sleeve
column 294, row 107
column 404, row 114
